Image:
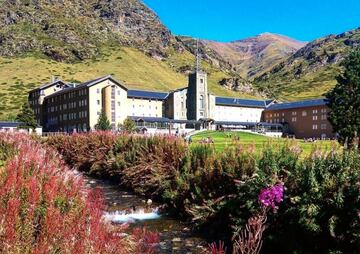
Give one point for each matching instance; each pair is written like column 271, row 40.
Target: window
column 323, row 117
column 201, row 113
column 293, row 119
column 323, row 126
column 201, row 81
column 202, row 102
column 97, row 90
column 118, row 103
column 294, row 113
column 304, row 113
column 98, row 113
column 323, row 110
column 118, row 92
column 98, row 102
column 315, row 111
column 315, row 127
column 315, row 118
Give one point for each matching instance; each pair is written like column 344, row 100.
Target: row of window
column 314, row 118
column 78, row 128
column 140, row 106
column 33, row 102
column 65, row 106
column 69, row 95
column 73, row 116
column 303, row 113
column 322, row 126
column 37, row 111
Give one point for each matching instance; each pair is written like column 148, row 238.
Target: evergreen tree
column 26, row 117
column 344, row 101
column 128, row 125
column 103, row 123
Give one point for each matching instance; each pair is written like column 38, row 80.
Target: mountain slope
column 83, row 39
column 70, row 30
column 249, row 57
column 136, row 69
column 311, row 71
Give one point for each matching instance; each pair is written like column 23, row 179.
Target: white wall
column 237, row 114
column 144, row 107
column 180, row 111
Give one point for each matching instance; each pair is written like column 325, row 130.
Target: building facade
column 65, row 107
column 303, row 119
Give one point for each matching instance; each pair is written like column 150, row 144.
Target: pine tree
column 103, row 123
column 344, row 101
column 26, row 117
column 128, row 125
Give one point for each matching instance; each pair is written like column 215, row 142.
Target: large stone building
column 66, row 107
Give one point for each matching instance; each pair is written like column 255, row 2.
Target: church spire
column 198, row 57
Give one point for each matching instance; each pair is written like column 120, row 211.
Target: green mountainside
column 78, row 40
column 311, row 71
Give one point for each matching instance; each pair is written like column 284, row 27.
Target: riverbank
column 218, row 191
column 123, row 206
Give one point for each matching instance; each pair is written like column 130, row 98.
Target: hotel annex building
column 66, row 107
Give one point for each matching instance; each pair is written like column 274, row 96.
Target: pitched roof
column 47, row 85
column 147, row 94
column 240, row 102
column 98, row 80
column 88, row 84
column 298, row 104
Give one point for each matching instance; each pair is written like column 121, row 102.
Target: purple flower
column 270, row 197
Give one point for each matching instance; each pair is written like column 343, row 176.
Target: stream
column 126, row 207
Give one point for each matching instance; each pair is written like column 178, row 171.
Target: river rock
column 176, row 240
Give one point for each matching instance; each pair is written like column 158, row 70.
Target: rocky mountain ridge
column 312, row 67
column 249, row 57
column 70, row 30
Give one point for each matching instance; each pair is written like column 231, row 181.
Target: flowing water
column 125, row 207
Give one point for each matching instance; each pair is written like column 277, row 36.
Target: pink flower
column 270, row 197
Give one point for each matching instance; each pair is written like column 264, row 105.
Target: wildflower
column 270, row 197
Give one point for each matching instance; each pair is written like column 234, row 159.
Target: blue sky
column 227, row 20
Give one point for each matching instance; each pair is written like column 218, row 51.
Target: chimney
column 54, row 79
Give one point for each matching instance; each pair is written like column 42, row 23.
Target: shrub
column 219, row 191
column 44, row 207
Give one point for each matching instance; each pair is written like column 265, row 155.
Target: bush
column 45, row 208
column 219, row 191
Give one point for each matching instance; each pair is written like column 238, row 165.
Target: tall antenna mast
column 198, row 58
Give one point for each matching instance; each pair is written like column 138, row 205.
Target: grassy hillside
column 21, row 74
column 311, row 71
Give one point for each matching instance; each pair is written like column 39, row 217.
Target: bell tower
column 197, row 97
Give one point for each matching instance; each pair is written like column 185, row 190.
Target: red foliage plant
column 45, row 208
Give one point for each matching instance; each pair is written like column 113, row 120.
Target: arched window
column 202, row 102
